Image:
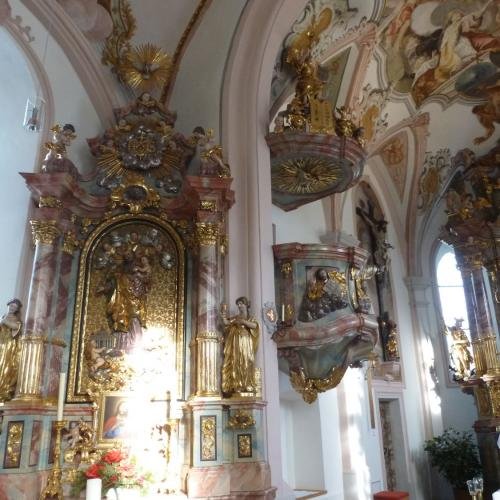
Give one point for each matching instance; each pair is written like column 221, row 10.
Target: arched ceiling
column 421, row 76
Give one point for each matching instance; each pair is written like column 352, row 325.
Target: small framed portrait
column 13, row 445
column 114, row 418
column 36, row 437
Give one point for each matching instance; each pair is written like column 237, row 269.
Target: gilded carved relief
column 326, row 292
column 13, row 445
column 244, row 446
column 129, row 317
column 208, row 428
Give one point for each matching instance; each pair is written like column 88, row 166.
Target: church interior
column 251, row 249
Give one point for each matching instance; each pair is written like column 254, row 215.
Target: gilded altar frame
column 75, row 390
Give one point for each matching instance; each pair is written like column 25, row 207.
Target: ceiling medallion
column 315, row 150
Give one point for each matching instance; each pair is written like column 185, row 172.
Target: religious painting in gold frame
column 115, row 418
column 128, row 328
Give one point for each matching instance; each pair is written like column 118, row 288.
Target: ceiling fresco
column 442, row 48
column 425, row 52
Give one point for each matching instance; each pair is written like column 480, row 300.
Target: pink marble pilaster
column 214, row 200
column 58, row 324
column 42, row 284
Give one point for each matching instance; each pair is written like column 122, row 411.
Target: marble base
column 22, row 486
column 241, row 480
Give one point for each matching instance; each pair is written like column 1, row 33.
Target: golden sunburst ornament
column 305, row 176
column 146, row 67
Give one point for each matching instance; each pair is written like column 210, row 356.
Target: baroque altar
column 125, row 296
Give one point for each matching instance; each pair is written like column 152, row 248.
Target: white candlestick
column 60, row 399
column 94, row 487
column 282, row 312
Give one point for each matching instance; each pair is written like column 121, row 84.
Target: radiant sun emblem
column 305, row 176
column 146, row 67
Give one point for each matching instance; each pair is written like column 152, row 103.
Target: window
column 453, row 308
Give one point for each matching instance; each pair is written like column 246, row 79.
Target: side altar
column 125, row 297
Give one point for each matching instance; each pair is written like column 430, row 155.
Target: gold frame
column 101, row 441
column 75, row 392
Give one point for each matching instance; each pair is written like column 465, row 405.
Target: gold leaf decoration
column 146, row 67
column 305, row 175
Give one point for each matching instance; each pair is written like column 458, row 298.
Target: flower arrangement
column 116, row 469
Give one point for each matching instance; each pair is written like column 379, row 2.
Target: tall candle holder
column 54, row 488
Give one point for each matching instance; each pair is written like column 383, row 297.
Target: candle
column 93, row 489
column 60, row 399
column 496, row 495
column 283, row 312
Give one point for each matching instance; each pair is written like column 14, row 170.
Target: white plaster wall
column 18, row 151
column 71, row 102
column 331, row 445
column 197, row 91
column 21, row 151
column 304, row 225
column 458, row 409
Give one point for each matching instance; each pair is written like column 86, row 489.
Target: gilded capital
column 208, row 205
column 49, row 202
column 44, row 231
column 207, row 233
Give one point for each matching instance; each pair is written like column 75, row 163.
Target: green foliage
column 455, row 456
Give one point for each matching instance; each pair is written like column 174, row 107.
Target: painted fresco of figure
column 10, row 329
column 241, row 340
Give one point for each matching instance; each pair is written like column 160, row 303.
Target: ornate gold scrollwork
column 494, row 392
column 134, row 194
column 308, row 388
column 70, row 242
column 14, row 440
column 482, row 401
column 144, row 67
column 242, row 419
column 44, row 231
column 208, row 429
column 244, row 445
column 208, row 205
column 49, row 202
column 207, row 233
column 286, row 268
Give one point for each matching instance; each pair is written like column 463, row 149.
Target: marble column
column 59, row 316
column 472, row 312
column 207, row 337
column 484, row 345
column 45, row 236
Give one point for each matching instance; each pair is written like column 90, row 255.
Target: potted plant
column 454, row 454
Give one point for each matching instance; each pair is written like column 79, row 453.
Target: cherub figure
column 55, row 160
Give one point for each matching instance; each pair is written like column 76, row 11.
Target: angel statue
column 241, row 340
